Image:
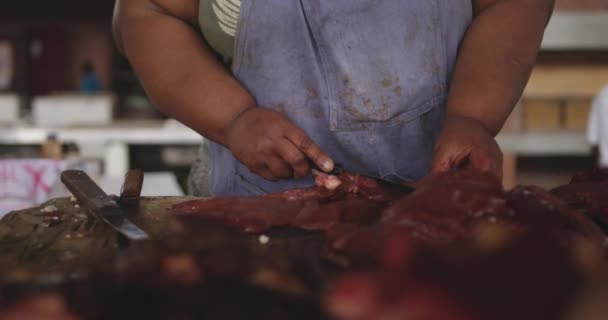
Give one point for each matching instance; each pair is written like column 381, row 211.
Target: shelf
column 128, row 132
column 549, row 143
column 577, row 31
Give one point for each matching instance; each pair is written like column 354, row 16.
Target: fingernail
column 327, row 165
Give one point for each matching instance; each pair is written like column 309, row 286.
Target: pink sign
column 25, row 183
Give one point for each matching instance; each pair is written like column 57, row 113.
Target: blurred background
column 69, row 100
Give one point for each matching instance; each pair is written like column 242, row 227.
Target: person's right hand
column 271, row 146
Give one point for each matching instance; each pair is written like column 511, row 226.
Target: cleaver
column 102, row 206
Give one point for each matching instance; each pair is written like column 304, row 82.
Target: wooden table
column 38, row 240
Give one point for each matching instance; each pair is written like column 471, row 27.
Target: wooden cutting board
column 61, row 237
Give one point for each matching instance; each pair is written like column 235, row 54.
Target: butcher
column 392, row 89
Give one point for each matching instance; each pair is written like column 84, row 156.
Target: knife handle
column 86, row 191
column 338, row 168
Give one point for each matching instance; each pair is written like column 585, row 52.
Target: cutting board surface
column 60, row 236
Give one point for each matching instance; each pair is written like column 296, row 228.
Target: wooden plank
column 509, row 170
column 541, row 115
column 41, row 240
column 583, row 81
column 544, row 143
column 577, row 114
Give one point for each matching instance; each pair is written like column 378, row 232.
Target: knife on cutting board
column 93, row 198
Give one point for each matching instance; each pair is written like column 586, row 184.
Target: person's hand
column 466, row 143
column 271, row 146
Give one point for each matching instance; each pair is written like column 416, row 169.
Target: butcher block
column 458, row 247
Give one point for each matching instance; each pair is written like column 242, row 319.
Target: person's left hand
column 466, row 143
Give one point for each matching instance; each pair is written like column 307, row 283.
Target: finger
column 444, row 160
column 294, row 157
column 278, row 168
column 267, row 175
column 259, row 167
column 439, row 164
column 301, row 140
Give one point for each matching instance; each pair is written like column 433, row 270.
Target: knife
column 92, row 197
column 338, row 168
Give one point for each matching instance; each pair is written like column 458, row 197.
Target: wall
column 586, row 5
column 90, row 41
column 67, row 45
column 54, row 10
column 84, row 26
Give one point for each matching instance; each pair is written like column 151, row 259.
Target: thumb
column 446, row 160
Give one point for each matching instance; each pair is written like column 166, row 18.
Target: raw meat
column 360, row 212
column 528, row 277
column 353, row 248
column 589, row 192
column 205, row 270
column 40, row 307
column 352, row 200
column 448, row 207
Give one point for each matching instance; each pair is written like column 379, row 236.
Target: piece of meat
column 588, row 191
column 535, row 208
column 458, row 248
column 445, row 207
column 256, row 215
column 450, row 206
column 250, row 214
column 531, row 276
column 417, row 265
column 46, row 306
column 458, row 206
column 358, row 214
column 344, row 199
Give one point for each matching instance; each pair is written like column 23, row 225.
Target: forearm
column 496, row 59
column 178, row 71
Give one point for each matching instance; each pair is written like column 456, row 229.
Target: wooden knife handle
column 86, row 191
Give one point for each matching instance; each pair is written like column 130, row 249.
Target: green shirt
column 218, row 20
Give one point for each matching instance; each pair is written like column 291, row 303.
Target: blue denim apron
column 366, row 79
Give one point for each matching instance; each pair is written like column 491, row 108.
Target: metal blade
column 92, row 197
column 406, row 189
column 316, row 170
column 338, row 169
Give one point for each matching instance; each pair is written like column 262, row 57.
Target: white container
column 10, row 104
column 73, row 110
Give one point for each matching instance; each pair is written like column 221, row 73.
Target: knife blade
column 338, row 168
column 93, row 198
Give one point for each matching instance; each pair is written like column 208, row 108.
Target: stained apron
column 366, row 79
